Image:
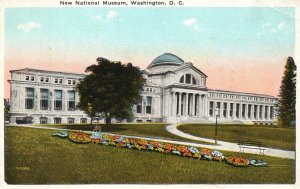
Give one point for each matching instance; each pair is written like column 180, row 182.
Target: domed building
column 175, row 92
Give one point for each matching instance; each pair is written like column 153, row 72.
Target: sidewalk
column 227, row 146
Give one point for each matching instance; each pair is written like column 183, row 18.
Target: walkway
column 229, row 146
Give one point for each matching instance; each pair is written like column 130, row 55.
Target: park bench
column 251, row 145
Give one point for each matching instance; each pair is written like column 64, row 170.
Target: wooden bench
column 251, row 145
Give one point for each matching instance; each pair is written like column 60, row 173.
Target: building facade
column 46, row 96
column 175, row 92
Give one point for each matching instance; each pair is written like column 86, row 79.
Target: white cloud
column 192, row 23
column 108, row 17
column 266, row 25
column 97, row 17
column 282, row 26
column 111, row 15
column 29, row 26
column 273, row 30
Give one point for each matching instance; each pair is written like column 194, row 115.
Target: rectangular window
column 71, row 100
column 231, row 110
column 60, row 81
column 27, row 78
column 255, row 111
column 149, row 105
column 74, row 82
column 69, row 82
column 211, row 108
column 29, row 98
column 43, row 120
column 42, row 79
column 58, row 100
column 71, row 120
column 44, row 99
column 139, row 108
column 271, row 112
column 47, row 79
column 57, row 120
column 55, row 80
column 260, row 111
column 83, row 120
column 224, row 109
column 237, row 110
column 32, row 78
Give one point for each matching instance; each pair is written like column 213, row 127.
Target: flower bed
column 167, row 148
column 80, row 137
column 237, row 161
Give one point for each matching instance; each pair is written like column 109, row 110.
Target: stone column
column 257, row 112
column 198, row 105
column 252, row 111
column 179, row 104
column 205, row 106
column 221, row 110
column 144, row 106
column 37, row 94
column 186, row 104
column 263, row 113
column 193, row 104
column 268, row 112
column 240, row 111
column 234, row 111
column 51, row 97
column 65, row 100
column 173, row 104
column 228, row 110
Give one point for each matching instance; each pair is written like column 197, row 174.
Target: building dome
column 166, row 59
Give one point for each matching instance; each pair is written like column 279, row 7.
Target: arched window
column 181, row 79
column 194, row 81
column 188, row 79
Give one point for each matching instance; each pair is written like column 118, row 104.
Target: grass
column 33, row 156
column 276, row 137
column 154, row 130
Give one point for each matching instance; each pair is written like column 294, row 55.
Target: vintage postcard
column 154, row 93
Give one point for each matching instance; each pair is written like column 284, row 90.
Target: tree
column 6, row 109
column 287, row 95
column 111, row 89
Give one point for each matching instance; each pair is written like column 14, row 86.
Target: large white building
column 175, row 92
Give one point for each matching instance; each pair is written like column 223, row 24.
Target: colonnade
column 242, row 111
column 188, row 104
column 198, row 105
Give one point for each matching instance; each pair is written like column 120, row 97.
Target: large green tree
column 110, row 89
column 287, row 95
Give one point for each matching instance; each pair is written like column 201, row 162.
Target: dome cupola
column 166, row 59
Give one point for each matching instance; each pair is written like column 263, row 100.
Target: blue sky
column 250, row 31
column 55, row 38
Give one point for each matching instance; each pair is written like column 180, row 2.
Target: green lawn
column 275, row 137
column 33, row 156
column 154, row 130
